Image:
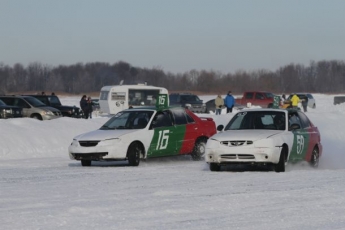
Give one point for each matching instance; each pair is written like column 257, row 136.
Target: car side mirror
column 220, row 127
column 294, row 127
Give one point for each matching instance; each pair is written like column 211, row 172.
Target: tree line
column 321, row 77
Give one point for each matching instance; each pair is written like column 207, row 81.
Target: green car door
column 300, row 141
column 166, row 137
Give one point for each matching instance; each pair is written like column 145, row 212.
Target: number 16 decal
column 163, row 139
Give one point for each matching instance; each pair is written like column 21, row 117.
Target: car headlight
column 264, row 143
column 75, row 143
column 212, row 143
column 110, row 141
column 47, row 113
column 9, row 111
column 203, row 105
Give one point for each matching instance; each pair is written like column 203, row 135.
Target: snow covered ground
column 41, row 188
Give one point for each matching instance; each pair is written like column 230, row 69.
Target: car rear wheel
column 314, row 161
column 86, row 162
column 199, row 149
column 280, row 167
column 133, row 154
column 214, row 167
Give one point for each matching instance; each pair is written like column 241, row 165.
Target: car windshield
column 271, row 120
column 54, row 100
column 128, row 120
column 34, row 102
column 2, row 103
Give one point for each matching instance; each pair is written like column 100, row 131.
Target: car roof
column 153, row 108
column 265, row 110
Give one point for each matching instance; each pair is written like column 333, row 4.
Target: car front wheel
column 280, row 167
column 214, row 167
column 85, row 162
column 133, row 154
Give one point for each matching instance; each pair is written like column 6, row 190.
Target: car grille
column 238, row 156
column 236, row 143
column 88, row 143
column 57, row 113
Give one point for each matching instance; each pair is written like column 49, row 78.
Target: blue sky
column 174, row 35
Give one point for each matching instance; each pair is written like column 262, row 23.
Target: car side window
column 259, row 96
column 304, row 120
column 249, row 95
column 21, row 103
column 162, row 119
column 294, row 119
column 189, row 119
column 180, row 117
column 8, row 101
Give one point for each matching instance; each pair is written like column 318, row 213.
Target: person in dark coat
column 229, row 102
column 89, row 106
column 305, row 103
column 84, row 106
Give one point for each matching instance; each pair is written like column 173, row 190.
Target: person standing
column 305, row 103
column 219, row 102
column 229, row 102
column 89, row 107
column 84, row 106
column 294, row 101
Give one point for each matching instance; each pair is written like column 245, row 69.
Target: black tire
column 36, row 116
column 280, row 167
column 270, row 105
column 133, row 154
column 199, row 149
column 314, row 161
column 214, row 167
column 86, row 162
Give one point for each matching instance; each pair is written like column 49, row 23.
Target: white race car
column 265, row 137
column 142, row 133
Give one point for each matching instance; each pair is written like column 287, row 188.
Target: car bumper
column 111, row 150
column 242, row 155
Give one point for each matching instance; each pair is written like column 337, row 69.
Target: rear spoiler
column 206, row 118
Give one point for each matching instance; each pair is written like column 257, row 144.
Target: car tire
column 280, row 167
column 199, row 149
column 86, row 162
column 270, row 105
column 36, row 116
column 314, row 161
column 133, row 154
column 214, row 167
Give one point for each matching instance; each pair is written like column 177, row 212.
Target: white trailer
column 115, row 98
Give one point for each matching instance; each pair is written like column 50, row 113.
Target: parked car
column 144, row 132
column 32, row 107
column 54, row 101
column 188, row 100
column 7, row 111
column 311, row 100
column 265, row 137
column 257, row 98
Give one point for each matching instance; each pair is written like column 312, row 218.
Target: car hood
column 103, row 134
column 248, row 134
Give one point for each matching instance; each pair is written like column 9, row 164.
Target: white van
column 115, row 98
